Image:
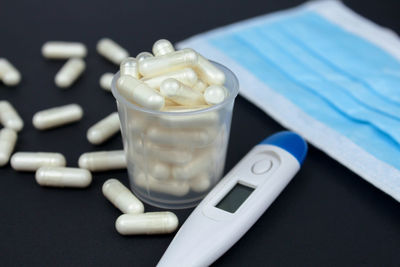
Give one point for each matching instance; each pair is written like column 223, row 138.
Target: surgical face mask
column 326, row 73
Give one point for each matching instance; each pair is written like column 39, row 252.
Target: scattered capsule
column 129, row 67
column 31, row 161
column 111, row 50
column 208, row 72
column 70, row 72
column 143, row 55
column 180, row 93
column 8, row 138
column 105, row 81
column 175, row 188
column 138, row 92
column 63, row 177
column 149, row 223
column 154, row 66
column 215, row 94
column 121, row 197
column 104, row 129
column 63, row 50
column 58, row 116
column 200, row 183
column 162, row 47
column 199, row 86
column 103, row 160
column 9, row 116
column 8, row 73
column 187, row 76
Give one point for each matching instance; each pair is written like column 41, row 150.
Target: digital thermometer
column 236, row 202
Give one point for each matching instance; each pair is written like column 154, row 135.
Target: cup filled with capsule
column 175, row 110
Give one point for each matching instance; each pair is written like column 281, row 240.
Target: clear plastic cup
column 175, row 158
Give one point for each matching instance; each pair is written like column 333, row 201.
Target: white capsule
column 154, row 168
column 215, row 94
column 174, row 188
column 154, row 66
column 103, row 160
column 162, row 47
column 199, row 86
column 180, row 93
column 208, row 72
column 8, row 138
column 70, row 72
column 121, row 197
column 31, row 161
column 200, row 183
column 200, row 164
column 207, row 119
column 143, row 55
column 172, row 155
column 63, row 177
column 8, row 73
column 187, row 76
column 105, row 81
column 189, row 137
column 140, row 93
column 58, row 116
column 104, row 129
column 129, row 66
column 149, row 223
column 63, row 50
column 9, row 116
column 111, row 50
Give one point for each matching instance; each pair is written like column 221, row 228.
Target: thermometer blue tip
column 289, row 141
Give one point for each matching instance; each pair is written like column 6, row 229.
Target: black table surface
column 327, row 216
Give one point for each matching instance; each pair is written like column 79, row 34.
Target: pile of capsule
column 177, row 153
column 51, row 167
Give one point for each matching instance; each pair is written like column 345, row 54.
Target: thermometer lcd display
column 234, row 198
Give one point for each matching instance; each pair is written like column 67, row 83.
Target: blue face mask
column 337, row 78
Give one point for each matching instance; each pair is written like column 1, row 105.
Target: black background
column 327, row 216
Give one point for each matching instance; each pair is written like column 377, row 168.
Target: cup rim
column 233, row 92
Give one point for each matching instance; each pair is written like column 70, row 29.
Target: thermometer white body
column 236, row 202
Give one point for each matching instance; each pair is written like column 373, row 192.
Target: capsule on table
column 63, row 177
column 148, row 223
column 58, row 116
column 103, row 160
column 180, row 93
column 138, row 92
column 187, row 76
column 63, row 50
column 111, row 50
column 105, row 81
column 31, row 161
column 129, row 66
column 9, row 116
column 70, row 72
column 215, row 94
column 154, row 66
column 8, row 73
column 8, row 138
column 104, row 129
column 162, row 47
column 121, row 197
column 175, row 188
column 208, row 72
